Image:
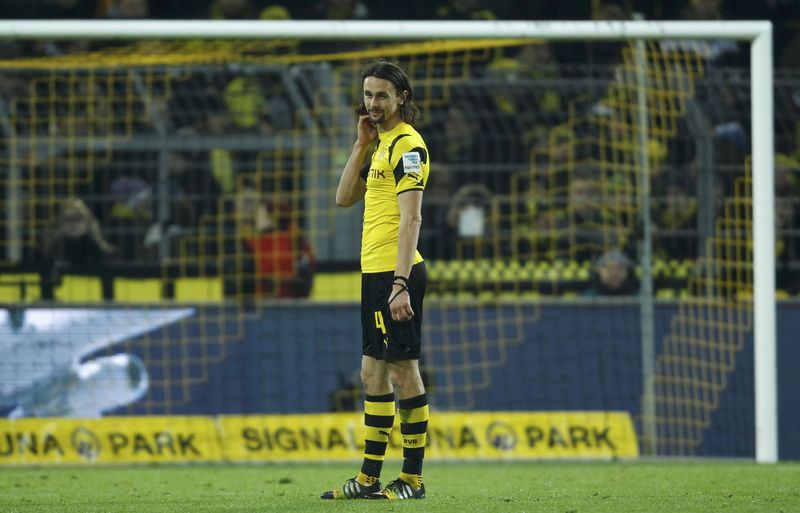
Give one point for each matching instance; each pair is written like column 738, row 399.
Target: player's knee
column 374, row 378
column 403, row 376
column 367, row 375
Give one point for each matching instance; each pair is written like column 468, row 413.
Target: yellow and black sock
column 414, row 427
column 378, row 421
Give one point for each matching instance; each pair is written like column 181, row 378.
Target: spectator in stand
column 457, row 148
column 459, row 142
column 73, row 245
column 607, row 52
column 193, row 194
column 536, row 107
column 332, row 10
column 584, row 199
column 787, row 224
column 579, row 227
column 478, row 145
column 223, row 162
column 275, row 13
column 720, row 52
column 54, row 10
column 128, row 10
column 284, row 260
column 675, row 225
column 280, row 256
column 613, row 275
column 464, row 10
column 191, row 181
column 132, row 214
column 232, row 10
column 12, row 84
column 337, row 10
column 468, row 217
column 250, row 111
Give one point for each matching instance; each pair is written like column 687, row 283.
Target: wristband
column 403, row 289
column 401, row 278
column 402, row 281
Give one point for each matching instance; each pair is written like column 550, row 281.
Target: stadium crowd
column 127, row 224
column 783, row 14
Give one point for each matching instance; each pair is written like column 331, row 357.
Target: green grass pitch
column 643, row 486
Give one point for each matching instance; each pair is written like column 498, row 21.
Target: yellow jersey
column 399, row 164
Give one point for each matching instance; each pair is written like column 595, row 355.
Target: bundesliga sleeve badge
column 412, row 162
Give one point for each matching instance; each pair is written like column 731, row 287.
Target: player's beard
column 377, row 117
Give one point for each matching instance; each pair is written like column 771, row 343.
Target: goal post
column 757, row 33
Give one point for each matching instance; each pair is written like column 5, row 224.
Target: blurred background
column 151, row 175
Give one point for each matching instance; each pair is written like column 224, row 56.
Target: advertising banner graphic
column 108, row 440
column 451, row 435
column 46, row 363
column 313, row 437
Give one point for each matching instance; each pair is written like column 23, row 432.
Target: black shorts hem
column 382, row 337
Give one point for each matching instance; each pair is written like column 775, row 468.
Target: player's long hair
column 391, row 71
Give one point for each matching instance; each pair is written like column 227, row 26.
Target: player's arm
column 352, row 186
column 410, row 203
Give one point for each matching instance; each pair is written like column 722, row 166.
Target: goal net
column 170, row 243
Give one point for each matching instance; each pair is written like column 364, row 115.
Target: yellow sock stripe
column 364, row 479
column 413, row 479
column 414, row 415
column 375, row 457
column 384, row 408
column 376, row 434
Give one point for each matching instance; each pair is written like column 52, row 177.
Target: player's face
column 381, row 100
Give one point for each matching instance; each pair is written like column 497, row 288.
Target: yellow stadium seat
column 11, row 287
column 462, row 295
column 198, row 289
column 434, row 266
column 487, row 295
column 569, row 273
column 79, row 289
column 336, row 287
column 665, row 294
column 137, row 290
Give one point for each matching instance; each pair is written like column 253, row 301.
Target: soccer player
column 393, row 279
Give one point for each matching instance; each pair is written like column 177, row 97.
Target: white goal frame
column 757, row 33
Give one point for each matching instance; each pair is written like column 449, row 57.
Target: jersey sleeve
column 364, row 171
column 410, row 161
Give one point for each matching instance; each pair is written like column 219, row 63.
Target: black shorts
column 382, row 337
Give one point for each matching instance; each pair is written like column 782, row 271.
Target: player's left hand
column 400, row 306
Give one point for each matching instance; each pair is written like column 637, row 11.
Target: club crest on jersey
column 412, row 162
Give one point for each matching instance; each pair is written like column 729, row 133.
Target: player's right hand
column 367, row 132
